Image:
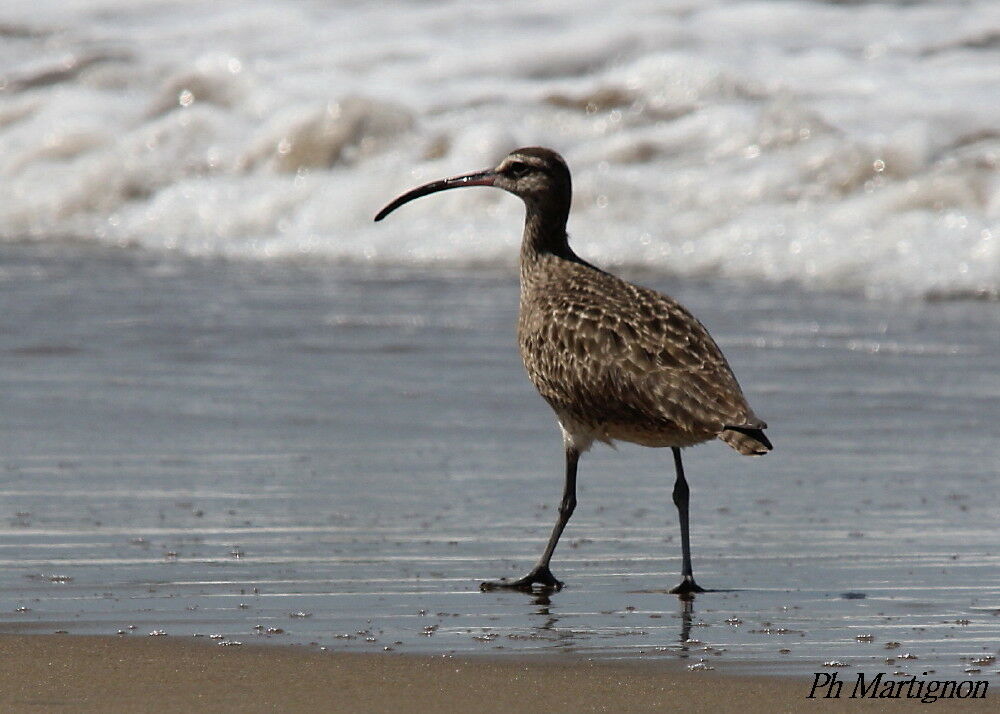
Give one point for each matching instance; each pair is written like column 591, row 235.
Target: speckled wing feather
column 628, row 362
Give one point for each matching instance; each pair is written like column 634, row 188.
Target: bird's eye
column 517, row 169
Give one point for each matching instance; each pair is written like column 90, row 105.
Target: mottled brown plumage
column 621, row 361
column 615, row 361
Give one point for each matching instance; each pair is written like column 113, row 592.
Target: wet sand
column 285, row 455
column 80, row 673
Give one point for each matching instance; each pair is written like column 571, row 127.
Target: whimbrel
column 615, row 361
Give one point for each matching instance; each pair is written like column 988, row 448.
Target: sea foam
column 839, row 146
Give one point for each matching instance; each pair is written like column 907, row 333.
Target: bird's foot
column 541, row 576
column 687, row 586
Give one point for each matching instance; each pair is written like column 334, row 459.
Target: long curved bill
column 479, row 178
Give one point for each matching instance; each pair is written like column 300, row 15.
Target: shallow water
column 223, row 448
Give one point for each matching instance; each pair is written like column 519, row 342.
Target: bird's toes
column 687, row 586
column 544, row 577
column 539, row 578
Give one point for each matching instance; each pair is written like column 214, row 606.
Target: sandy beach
column 235, row 409
column 106, row 674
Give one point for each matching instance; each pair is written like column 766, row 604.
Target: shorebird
column 614, row 360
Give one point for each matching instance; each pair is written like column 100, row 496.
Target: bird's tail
column 749, row 441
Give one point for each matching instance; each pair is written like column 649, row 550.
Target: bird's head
column 537, row 175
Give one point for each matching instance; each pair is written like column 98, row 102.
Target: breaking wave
column 835, row 145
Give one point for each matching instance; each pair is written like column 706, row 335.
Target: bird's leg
column 540, row 574
column 681, row 496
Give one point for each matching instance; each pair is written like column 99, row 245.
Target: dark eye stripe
column 517, row 169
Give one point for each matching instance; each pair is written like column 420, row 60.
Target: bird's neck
column 544, row 235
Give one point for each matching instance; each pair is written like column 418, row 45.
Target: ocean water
column 851, row 145
column 232, row 405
